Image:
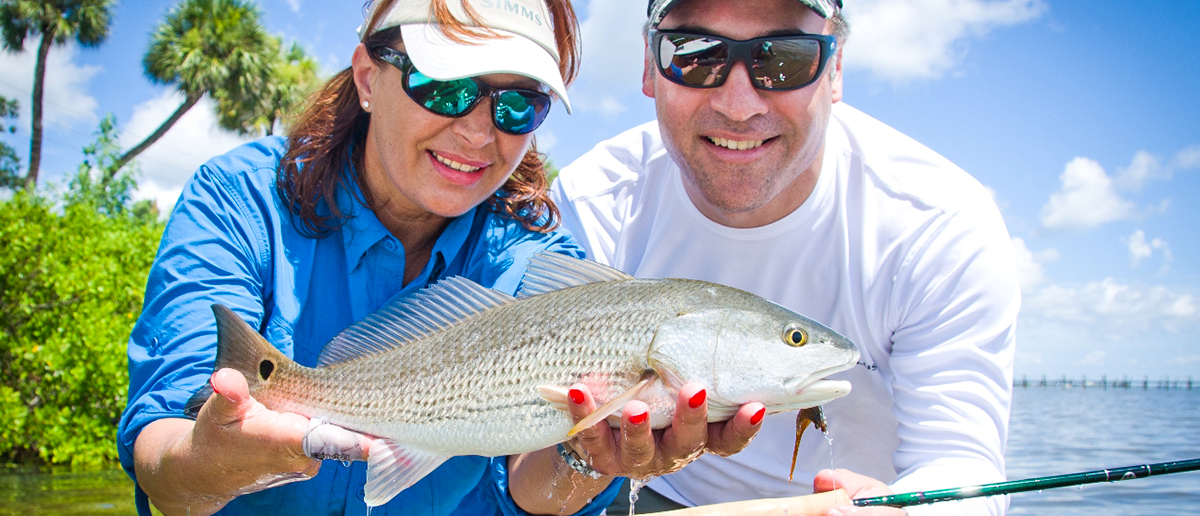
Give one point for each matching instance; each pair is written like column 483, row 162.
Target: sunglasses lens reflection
column 703, row 62
column 520, row 112
column 449, row 98
column 786, row 63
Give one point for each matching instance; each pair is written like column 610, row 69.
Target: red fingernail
column 213, row 384
column 698, row 399
column 638, row 419
column 576, row 396
column 757, row 417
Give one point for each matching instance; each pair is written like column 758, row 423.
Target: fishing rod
column 818, row 503
column 1030, row 484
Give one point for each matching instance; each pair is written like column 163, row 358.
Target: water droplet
column 635, row 485
column 829, row 439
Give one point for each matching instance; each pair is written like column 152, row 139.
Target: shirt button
column 390, row 245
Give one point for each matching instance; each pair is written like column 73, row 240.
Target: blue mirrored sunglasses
column 514, row 110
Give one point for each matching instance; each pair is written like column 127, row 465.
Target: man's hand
column 857, row 486
column 638, row 452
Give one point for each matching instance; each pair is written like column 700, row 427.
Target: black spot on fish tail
column 265, row 368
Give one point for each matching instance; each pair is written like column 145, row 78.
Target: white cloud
column 922, row 39
column 66, row 100
column 1030, row 274
column 546, row 140
column 1140, row 249
column 612, row 55
column 1093, row 358
column 294, row 5
column 172, row 160
column 895, row 39
column 1114, row 309
column 1087, row 199
column 1144, row 166
column 1187, row 159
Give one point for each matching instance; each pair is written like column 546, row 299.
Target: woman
column 414, row 164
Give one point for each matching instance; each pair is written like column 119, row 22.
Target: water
column 635, row 485
column 1054, row 431
column 41, row 491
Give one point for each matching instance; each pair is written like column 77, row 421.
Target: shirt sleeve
column 952, row 360
column 212, row 251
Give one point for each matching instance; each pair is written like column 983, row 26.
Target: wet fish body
column 459, row 369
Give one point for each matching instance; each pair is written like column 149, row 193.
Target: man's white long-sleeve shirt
column 896, row 248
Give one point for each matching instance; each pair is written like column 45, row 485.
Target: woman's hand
column 857, row 486
column 542, row 483
column 636, row 451
column 235, row 446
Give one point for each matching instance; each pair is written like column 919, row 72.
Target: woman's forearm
column 541, row 482
column 235, row 446
column 166, row 470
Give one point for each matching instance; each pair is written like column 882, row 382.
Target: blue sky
column 1082, row 117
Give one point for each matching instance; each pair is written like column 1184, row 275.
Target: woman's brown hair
column 327, row 138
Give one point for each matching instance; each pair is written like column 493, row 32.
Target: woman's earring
column 366, row 105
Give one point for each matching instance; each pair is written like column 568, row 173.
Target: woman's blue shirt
column 231, row 240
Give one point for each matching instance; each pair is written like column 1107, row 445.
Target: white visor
column 443, row 59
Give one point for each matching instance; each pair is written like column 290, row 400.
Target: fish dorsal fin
column 405, row 320
column 550, row 271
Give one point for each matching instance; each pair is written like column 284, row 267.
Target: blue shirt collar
column 362, row 229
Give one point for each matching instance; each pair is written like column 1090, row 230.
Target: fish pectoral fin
column 393, row 467
column 612, row 407
column 556, row 395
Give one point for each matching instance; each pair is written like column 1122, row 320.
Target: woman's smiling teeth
column 461, row 167
column 736, row 145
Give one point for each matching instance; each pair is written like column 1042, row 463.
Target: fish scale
column 458, row 369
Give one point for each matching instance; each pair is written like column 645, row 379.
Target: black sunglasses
column 514, row 110
column 775, row 62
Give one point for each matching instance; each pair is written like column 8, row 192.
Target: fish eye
column 794, row 335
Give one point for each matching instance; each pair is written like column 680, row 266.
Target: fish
column 461, row 369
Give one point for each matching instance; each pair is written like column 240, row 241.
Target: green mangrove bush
column 71, row 285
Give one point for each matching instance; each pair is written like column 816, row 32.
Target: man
column 755, row 176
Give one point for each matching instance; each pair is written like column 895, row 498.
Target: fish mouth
column 818, row 392
column 814, row 389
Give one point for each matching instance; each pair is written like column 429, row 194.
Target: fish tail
column 240, row 347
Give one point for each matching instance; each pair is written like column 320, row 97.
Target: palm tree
column 9, row 163
column 58, row 21
column 215, row 47
column 291, row 78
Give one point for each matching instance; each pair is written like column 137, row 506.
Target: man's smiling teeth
column 455, row 165
column 736, row 145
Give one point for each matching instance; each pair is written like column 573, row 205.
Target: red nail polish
column 758, row 416
column 638, row 419
column 212, row 384
column 576, row 396
column 698, row 399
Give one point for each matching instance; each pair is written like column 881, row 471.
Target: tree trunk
column 35, row 137
column 189, row 101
